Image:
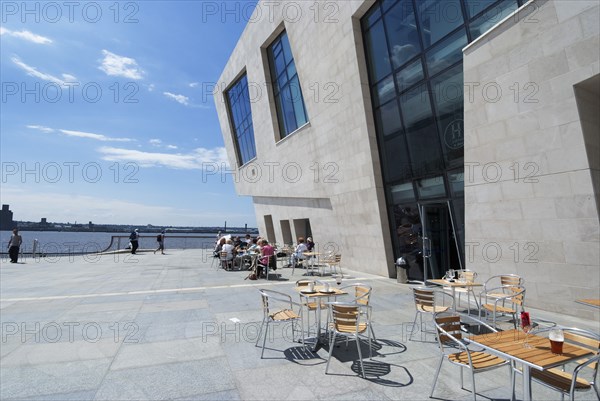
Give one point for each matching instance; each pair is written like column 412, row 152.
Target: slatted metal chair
column 310, row 305
column 504, row 300
column 362, row 296
column 450, row 338
column 226, row 264
column 333, row 262
column 349, row 321
column 467, row 276
column 284, row 313
column 425, row 303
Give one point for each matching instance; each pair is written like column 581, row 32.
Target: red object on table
column 525, row 319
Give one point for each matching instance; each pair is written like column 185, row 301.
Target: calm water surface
column 61, row 241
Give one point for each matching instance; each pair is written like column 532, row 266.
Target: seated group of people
column 302, row 247
column 248, row 247
column 245, row 250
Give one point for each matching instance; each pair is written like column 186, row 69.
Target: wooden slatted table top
column 591, row 302
column 456, row 283
column 510, row 342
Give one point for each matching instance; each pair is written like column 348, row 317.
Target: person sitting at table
column 310, row 245
column 219, row 246
column 253, row 247
column 267, row 253
column 298, row 254
column 229, row 248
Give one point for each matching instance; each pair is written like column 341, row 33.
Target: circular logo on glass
column 454, row 134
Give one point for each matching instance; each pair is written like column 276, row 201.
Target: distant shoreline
column 128, row 229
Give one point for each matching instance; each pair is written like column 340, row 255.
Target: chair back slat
column 424, row 297
column 511, row 280
column 362, row 294
column 344, row 315
column 450, row 325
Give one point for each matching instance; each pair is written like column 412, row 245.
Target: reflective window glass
column 396, row 159
column 403, row 193
column 384, row 91
column 457, row 183
column 446, row 53
column 491, row 17
column 388, row 118
column 402, row 33
column 377, row 52
column 410, row 75
column 474, row 7
column 438, row 18
column 424, row 147
column 238, row 102
column 372, row 16
column 429, row 188
column 447, row 93
column 416, row 106
column 289, row 103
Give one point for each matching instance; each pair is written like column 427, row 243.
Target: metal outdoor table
column 509, row 345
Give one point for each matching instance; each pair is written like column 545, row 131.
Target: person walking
column 133, row 238
column 13, row 245
column 161, row 243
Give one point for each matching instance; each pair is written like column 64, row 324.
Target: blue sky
column 107, row 112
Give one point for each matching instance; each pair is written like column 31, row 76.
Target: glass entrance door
column 440, row 250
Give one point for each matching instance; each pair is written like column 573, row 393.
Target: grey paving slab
column 172, row 327
column 167, row 381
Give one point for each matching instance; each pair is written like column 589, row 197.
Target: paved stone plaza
column 123, row 327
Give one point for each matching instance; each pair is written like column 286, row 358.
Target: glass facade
column 238, row 102
column 414, row 57
column 289, row 103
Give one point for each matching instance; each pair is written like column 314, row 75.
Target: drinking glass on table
column 527, row 327
column 557, row 338
column 338, row 279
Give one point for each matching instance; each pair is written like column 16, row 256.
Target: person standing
column 161, row 242
column 133, row 238
column 13, row 245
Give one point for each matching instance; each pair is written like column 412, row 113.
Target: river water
column 75, row 242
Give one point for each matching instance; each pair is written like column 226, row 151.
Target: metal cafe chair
column 504, row 300
column 362, row 295
column 311, row 306
column 425, row 303
column 226, row 264
column 450, row 337
column 347, row 320
column 284, row 313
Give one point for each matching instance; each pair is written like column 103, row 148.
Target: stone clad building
column 454, row 134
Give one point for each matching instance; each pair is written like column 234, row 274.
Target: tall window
column 238, row 101
column 291, row 112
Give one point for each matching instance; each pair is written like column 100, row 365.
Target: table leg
column 526, row 383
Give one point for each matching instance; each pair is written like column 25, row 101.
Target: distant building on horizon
column 6, row 219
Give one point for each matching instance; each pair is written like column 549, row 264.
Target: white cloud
column 171, row 147
column 195, row 160
column 26, row 35
column 151, row 87
column 41, row 128
column 194, row 84
column 120, row 66
column 98, row 137
column 155, row 142
column 178, row 98
column 32, row 71
column 80, row 134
